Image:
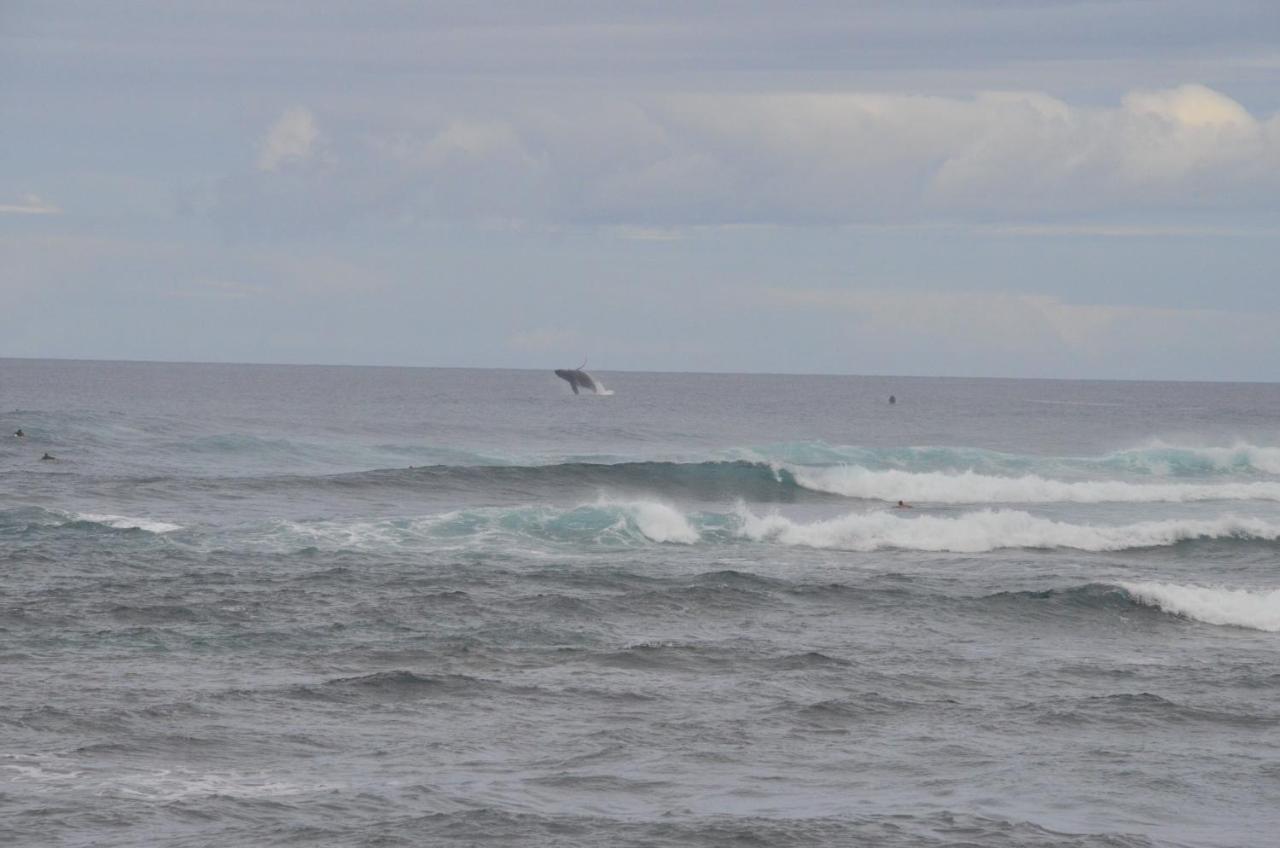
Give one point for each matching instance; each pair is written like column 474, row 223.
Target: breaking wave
column 969, row 487
column 1154, row 459
column 605, row 522
column 989, row 530
column 23, row 519
column 1254, row 609
column 124, row 522
column 782, row 482
column 626, row 523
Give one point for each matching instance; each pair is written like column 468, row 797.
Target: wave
column 23, row 519
column 989, row 530
column 716, row 480
column 605, row 522
column 1254, row 609
column 760, row 481
column 969, row 487
column 628, row 523
column 124, row 522
column 1156, row 458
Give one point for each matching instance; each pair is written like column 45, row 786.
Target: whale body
column 577, row 378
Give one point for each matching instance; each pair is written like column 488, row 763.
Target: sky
column 1015, row 188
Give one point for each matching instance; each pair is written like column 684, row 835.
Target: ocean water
column 261, row 606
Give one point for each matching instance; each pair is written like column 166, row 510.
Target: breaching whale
column 576, row 378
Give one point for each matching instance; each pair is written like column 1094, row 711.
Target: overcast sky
column 998, row 188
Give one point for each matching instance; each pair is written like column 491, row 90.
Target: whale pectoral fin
column 574, row 384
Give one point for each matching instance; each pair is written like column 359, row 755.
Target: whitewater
column 269, row 605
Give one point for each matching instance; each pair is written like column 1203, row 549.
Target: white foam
column 988, row 530
column 124, row 522
column 970, row 487
column 1258, row 610
column 658, row 521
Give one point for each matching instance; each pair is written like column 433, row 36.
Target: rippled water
column 253, row 605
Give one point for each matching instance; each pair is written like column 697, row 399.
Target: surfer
column 48, row 455
column 20, row 434
column 903, row 505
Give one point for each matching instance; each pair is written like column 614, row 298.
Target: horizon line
column 242, row 363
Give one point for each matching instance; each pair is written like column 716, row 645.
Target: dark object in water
column 48, row 455
column 892, row 400
column 576, row 377
column 19, row 433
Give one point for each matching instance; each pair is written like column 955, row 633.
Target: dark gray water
column 253, row 605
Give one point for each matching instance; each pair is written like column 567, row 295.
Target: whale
column 577, row 378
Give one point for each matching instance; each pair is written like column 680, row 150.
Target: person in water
column 48, row 455
column 20, row 434
column 903, row 505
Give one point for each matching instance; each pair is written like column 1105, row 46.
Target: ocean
column 284, row 605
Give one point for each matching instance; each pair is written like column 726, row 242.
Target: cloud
column 292, row 139
column 662, row 163
column 30, row 204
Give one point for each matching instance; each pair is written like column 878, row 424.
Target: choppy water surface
column 255, row 605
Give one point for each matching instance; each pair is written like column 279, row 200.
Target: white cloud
column 30, row 204
column 662, row 163
column 292, row 139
